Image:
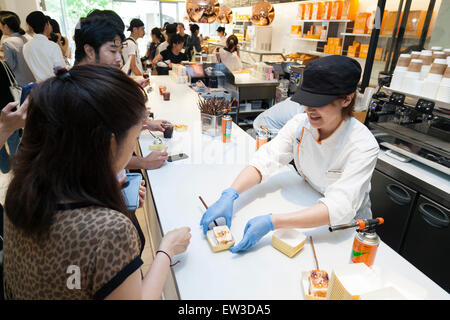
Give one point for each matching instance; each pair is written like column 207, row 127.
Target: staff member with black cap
column 130, row 52
column 335, row 153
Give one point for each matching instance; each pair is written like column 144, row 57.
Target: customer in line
column 194, row 44
column 98, row 40
column 61, row 40
column 41, row 54
column 230, row 55
column 334, row 152
column 170, row 31
column 13, row 49
column 172, row 55
column 68, row 233
column 157, row 39
column 130, row 51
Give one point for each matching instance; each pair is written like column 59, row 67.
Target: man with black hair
column 41, row 54
column 130, row 51
column 98, row 40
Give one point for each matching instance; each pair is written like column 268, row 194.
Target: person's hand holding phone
column 13, row 116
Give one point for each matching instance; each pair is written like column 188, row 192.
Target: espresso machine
column 411, row 127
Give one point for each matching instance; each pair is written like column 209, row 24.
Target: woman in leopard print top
column 67, row 231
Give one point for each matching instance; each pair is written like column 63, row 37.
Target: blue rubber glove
column 221, row 208
column 255, row 229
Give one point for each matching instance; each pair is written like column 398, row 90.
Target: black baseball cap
column 171, row 28
column 325, row 79
column 135, row 23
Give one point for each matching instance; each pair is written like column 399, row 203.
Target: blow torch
column 366, row 241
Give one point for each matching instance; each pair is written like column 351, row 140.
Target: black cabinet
column 393, row 201
column 427, row 241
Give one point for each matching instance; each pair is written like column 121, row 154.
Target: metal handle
column 434, row 216
column 398, row 194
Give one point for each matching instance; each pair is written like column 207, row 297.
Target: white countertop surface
column 429, row 175
column 262, row 272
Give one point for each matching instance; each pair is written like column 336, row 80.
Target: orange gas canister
column 226, row 128
column 365, row 247
column 261, row 138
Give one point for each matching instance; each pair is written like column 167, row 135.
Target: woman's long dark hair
column 232, row 42
column 158, row 35
column 56, row 30
column 66, row 146
column 13, row 23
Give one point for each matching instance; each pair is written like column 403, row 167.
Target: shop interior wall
column 441, row 32
column 21, row 7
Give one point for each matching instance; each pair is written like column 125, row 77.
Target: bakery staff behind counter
column 335, row 153
column 172, row 55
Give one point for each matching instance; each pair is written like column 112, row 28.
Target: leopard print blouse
column 90, row 251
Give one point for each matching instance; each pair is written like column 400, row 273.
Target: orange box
column 336, row 10
column 326, row 13
column 414, row 25
column 388, row 23
column 337, row 50
column 296, row 29
column 364, row 48
column 308, row 11
column 350, row 9
column 361, row 23
column 378, row 53
column 317, row 9
column 301, row 11
column 325, row 48
column 356, row 44
column 351, row 54
column 331, row 49
column 338, row 41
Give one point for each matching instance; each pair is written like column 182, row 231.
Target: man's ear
column 90, row 53
column 346, row 102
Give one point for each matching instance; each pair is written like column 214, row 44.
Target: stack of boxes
column 353, row 50
column 328, row 10
column 261, row 71
column 334, row 46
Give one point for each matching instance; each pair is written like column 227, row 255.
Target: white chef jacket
column 339, row 167
column 278, row 115
column 42, row 55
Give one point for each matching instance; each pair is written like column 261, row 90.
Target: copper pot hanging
column 202, row 11
column 225, row 15
column 263, row 13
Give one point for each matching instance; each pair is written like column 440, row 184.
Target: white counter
column 262, row 272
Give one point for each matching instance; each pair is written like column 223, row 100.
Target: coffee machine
column 411, row 127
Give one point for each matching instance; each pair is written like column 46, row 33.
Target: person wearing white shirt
column 171, row 30
column 13, row 46
column 130, row 51
column 335, row 153
column 230, row 55
column 41, row 54
column 278, row 115
column 222, row 36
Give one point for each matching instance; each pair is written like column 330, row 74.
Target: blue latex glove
column 221, row 208
column 255, row 229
